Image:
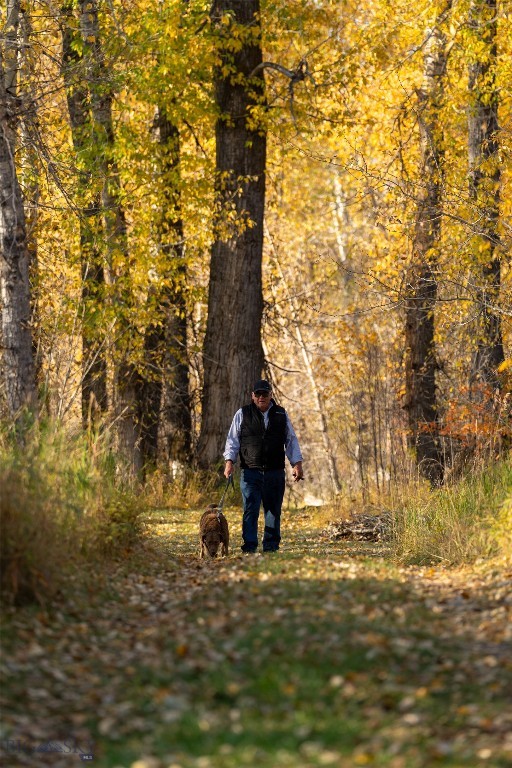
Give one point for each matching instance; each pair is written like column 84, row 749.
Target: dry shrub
column 60, row 508
column 455, row 524
column 477, row 430
column 113, row 526
column 501, row 529
column 190, row 488
column 34, row 549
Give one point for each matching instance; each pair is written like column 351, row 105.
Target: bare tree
column 233, row 354
column 318, row 399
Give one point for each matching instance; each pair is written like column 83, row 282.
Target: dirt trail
column 322, row 654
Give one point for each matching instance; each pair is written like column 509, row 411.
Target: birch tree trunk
column 232, row 352
column 484, row 189
column 16, row 336
column 421, row 289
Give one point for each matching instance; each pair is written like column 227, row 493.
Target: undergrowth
column 190, row 488
column 459, row 523
column 61, row 508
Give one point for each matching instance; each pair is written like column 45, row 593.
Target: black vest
column 262, row 448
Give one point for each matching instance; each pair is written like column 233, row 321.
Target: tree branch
column 297, row 75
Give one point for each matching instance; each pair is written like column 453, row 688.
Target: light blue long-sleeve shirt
column 292, row 448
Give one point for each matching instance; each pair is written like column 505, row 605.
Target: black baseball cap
column 262, row 386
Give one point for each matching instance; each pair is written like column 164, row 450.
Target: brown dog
column 213, row 532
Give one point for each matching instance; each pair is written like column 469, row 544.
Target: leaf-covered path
column 324, row 654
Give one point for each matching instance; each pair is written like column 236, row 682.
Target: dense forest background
column 197, row 194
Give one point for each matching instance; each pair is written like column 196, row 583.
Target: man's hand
column 298, row 474
column 229, row 469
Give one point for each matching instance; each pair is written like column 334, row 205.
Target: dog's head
column 212, row 541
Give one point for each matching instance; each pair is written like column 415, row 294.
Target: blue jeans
column 259, row 487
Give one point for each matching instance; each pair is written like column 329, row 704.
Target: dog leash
column 221, row 502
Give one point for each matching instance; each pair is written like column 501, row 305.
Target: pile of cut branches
column 361, row 527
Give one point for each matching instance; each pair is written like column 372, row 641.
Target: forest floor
column 323, row 654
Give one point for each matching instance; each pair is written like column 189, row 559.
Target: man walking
column 262, row 434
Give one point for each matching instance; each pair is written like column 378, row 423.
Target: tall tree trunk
column 484, row 188
column 94, row 363
column 15, row 334
column 232, row 352
column 421, row 286
column 166, row 419
column 127, row 381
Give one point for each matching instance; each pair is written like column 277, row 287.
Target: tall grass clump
column 60, row 510
column 501, row 529
column 459, row 523
column 190, row 488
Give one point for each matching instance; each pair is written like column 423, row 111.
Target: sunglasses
column 261, row 393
